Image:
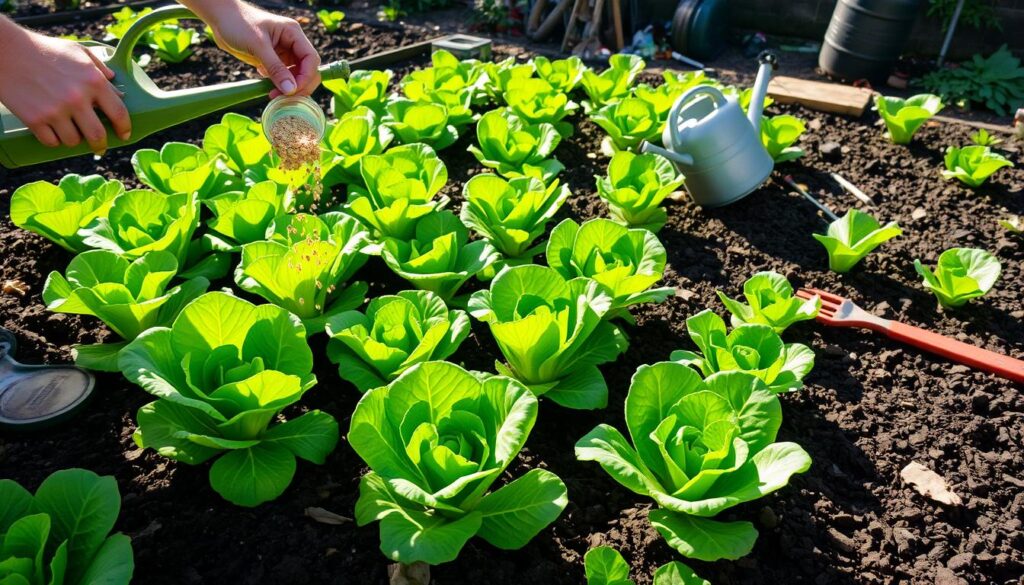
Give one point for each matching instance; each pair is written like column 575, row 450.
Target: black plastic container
column 865, row 37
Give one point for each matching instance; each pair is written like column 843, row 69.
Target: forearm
column 13, row 39
column 213, row 11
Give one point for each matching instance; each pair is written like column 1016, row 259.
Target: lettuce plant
column 635, row 187
column 628, row 122
column 982, row 137
column 130, row 297
column 499, row 75
column 536, row 102
column 661, row 98
column 123, row 20
column 743, row 96
column 61, row 534
column 962, row 274
column 424, row 122
column 973, row 165
column 222, row 373
column 605, row 566
column 58, row 212
column 363, row 88
column 684, row 80
column 436, row 439
column 400, row 189
column 563, row 74
column 904, row 117
column 625, row 262
column 852, row 237
column 395, row 333
column 514, row 148
column 243, row 217
column 770, row 301
column 141, row 221
column 179, row 167
column 612, row 84
column 330, row 19
column 172, row 43
column 450, row 82
column 551, row 332
column 356, row 135
column 779, row 134
column 304, row 265
column 241, row 143
column 753, row 348
column 511, row 214
column 698, row 448
column 439, row 257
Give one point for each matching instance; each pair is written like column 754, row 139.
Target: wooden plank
column 819, row 95
column 617, row 19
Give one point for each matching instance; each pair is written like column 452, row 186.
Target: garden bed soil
column 870, row 406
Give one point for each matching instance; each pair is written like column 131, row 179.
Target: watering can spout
column 768, row 61
column 675, row 157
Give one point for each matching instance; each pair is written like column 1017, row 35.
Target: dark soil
column 870, row 408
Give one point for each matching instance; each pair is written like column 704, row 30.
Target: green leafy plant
column 625, row 262
column 243, row 217
column 612, row 84
column 240, row 142
column 563, row 74
column 513, row 148
column 628, row 122
column 141, row 221
column 536, row 102
column 752, row 348
column 439, row 257
column 61, row 535
column 363, row 88
column 511, row 214
column 770, row 301
column 424, row 122
column 436, row 439
column 8, row 6
column 123, row 20
column 962, row 274
column 552, row 333
column 974, row 13
column 172, row 43
column 605, row 566
column 179, row 167
column 903, row 117
column 129, row 297
column 973, row 165
column 395, row 333
column 304, row 265
column 698, row 448
column 499, row 75
column 330, row 19
column 983, row 138
column 222, row 373
column 852, row 237
column 635, row 186
column 58, row 212
column 1013, row 223
column 400, row 189
column 449, row 82
column 660, row 98
column 356, row 135
column 779, row 134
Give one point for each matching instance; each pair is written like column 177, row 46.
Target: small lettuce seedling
column 962, row 274
column 779, row 134
column 605, row 566
column 123, row 20
column 421, row 122
column 304, row 265
column 61, row 535
column 752, row 348
column 1013, row 223
column 222, row 373
column 852, row 237
column 129, row 297
column 364, row 88
column 973, row 165
column 436, row 439
column 330, row 19
column 536, row 102
column 628, row 122
column 625, row 262
column 699, row 448
column 439, row 257
column 395, row 333
column 513, row 148
column 58, row 212
column 240, row 142
column 141, row 221
column 552, row 333
column 172, row 43
column 983, row 138
column 770, row 301
column 563, row 74
column 179, row 167
column 904, row 117
column 241, row 218
column 635, row 187
column 356, row 135
column 612, row 84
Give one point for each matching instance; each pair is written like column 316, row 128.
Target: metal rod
column 949, row 32
column 789, row 180
column 852, row 189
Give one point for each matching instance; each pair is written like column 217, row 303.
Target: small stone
column 841, row 541
column 944, row 576
column 918, row 213
column 960, row 561
column 831, row 149
column 767, row 518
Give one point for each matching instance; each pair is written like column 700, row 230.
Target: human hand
column 274, row 44
column 55, row 86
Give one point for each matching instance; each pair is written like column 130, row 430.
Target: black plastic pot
column 865, row 37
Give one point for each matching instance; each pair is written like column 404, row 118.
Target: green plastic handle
column 122, row 57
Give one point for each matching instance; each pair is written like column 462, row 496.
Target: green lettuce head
column 770, row 301
column 635, row 187
column 143, row 221
column 535, row 102
column 363, row 88
column 240, row 141
column 962, row 274
column 424, row 122
column 628, row 122
column 563, row 74
column 243, row 217
column 514, row 148
column 180, row 167
column 612, row 84
column 436, row 439
column 58, row 212
column 356, row 135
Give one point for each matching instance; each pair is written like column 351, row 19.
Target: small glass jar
column 294, row 105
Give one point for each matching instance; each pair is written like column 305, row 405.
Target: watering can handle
column 673, row 116
column 122, row 57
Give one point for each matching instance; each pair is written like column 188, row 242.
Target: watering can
column 715, row 147
column 151, row 108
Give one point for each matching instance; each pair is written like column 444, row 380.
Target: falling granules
column 297, row 144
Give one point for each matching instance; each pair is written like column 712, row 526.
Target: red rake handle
column 1002, row 365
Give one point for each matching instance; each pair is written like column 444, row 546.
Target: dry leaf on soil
column 326, row 516
column 929, row 484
